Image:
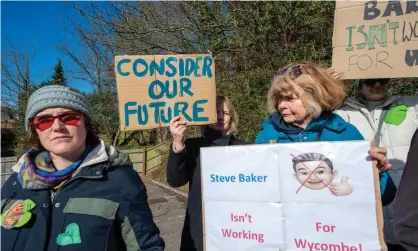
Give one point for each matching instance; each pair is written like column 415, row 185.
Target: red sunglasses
column 46, row 121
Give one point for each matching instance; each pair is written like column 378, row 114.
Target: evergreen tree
column 58, row 77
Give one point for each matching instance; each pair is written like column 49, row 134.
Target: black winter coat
column 406, row 207
column 183, row 168
column 106, row 200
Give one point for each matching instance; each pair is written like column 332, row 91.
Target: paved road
column 168, row 209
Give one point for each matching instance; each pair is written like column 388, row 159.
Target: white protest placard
column 152, row 89
column 301, row 196
column 250, row 178
column 376, row 39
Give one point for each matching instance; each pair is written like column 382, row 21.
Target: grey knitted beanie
column 52, row 96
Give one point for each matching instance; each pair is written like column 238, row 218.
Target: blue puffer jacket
column 331, row 126
column 328, row 127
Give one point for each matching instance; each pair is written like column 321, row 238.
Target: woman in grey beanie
column 71, row 190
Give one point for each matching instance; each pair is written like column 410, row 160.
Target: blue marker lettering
column 190, row 66
column 152, row 89
column 171, row 66
column 197, row 110
column 166, row 119
column 181, row 67
column 197, row 68
column 154, row 66
column 123, row 61
column 157, row 106
column 185, row 85
column 207, row 63
column 142, row 114
column 172, row 94
column 135, row 67
column 129, row 112
column 183, row 111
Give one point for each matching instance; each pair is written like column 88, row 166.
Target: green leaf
column 29, row 205
column 25, row 218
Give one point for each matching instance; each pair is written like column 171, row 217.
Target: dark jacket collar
column 214, row 137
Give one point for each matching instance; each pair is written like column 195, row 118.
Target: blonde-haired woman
column 301, row 99
column 184, row 165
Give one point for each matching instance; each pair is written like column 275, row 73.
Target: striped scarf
column 38, row 172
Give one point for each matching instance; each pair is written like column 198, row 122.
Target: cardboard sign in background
column 376, row 40
column 249, row 216
column 154, row 89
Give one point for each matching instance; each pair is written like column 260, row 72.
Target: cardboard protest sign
column 154, row 89
column 304, row 196
column 376, row 39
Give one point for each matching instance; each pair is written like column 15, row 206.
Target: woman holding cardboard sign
column 302, row 98
column 184, row 165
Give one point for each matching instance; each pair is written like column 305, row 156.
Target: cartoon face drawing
column 314, row 174
column 315, row 171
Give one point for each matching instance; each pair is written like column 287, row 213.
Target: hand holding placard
column 177, row 129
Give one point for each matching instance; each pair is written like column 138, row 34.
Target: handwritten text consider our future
column 179, row 72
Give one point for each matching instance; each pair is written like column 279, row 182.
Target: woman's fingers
column 173, row 124
column 182, row 122
column 380, row 155
column 378, row 150
column 334, row 73
column 177, row 122
column 174, row 120
column 385, row 166
column 182, row 130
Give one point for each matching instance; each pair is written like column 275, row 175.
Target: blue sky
column 40, row 26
